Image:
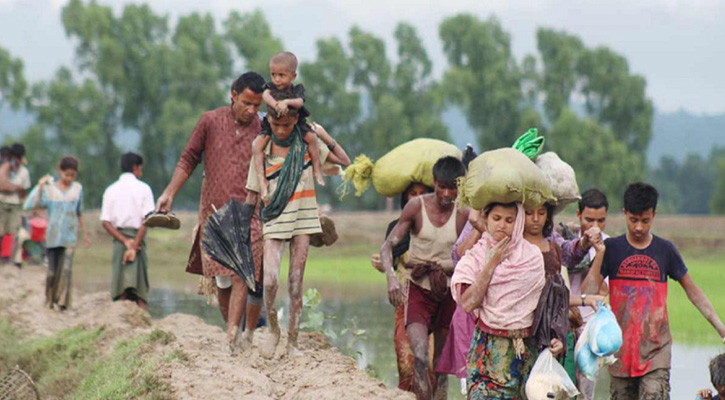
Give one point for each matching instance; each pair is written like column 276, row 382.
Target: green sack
column 411, row 162
column 503, row 176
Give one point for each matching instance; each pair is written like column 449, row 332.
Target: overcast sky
column 679, row 46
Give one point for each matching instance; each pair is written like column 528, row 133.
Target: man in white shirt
column 125, row 203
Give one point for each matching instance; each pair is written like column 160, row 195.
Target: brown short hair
column 286, row 58
column 68, row 162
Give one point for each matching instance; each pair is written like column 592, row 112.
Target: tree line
column 142, row 74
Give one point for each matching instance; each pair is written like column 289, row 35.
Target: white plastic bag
column 548, row 376
column 562, row 179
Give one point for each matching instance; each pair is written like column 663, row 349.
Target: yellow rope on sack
column 462, row 200
column 360, row 173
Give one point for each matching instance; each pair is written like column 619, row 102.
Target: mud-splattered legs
column 272, row 258
column 299, row 248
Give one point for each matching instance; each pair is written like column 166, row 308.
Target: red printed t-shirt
column 638, row 293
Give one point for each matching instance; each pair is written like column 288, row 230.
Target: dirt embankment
column 206, row 370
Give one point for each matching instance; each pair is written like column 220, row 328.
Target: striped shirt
column 300, row 216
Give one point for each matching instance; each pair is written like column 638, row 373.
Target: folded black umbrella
column 227, row 239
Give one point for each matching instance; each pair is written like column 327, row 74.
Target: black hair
column 404, row 199
column 640, row 197
column 249, row 80
column 4, row 152
column 468, row 155
column 447, row 169
column 549, row 223
column 717, row 370
column 129, row 161
column 593, row 198
column 67, row 163
column 17, row 150
column 490, row 206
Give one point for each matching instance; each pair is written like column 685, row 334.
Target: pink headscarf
column 517, row 282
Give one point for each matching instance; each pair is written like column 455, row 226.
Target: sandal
column 328, row 236
column 158, row 219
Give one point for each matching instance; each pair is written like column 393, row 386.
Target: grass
column 69, row 364
column 686, row 323
column 346, row 265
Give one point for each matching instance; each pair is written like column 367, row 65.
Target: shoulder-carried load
column 562, row 179
column 411, row 162
column 504, row 176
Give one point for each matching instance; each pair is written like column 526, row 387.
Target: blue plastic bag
column 587, row 361
column 605, row 335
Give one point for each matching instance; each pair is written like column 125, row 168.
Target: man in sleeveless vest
column 434, row 222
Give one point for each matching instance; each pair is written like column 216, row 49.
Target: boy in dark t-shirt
column 638, row 265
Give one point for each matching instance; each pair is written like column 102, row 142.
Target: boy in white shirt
column 125, row 203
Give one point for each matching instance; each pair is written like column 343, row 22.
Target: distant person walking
column 14, row 183
column 125, row 202
column 64, row 200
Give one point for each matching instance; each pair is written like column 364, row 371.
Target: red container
column 6, row 248
column 37, row 229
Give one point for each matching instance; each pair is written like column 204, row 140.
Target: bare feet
column 269, row 347
column 291, row 348
column 241, row 341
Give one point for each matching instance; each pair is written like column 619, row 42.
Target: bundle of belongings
column 411, row 162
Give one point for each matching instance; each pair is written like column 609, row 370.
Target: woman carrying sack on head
column 500, row 281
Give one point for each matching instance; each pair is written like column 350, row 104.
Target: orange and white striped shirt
column 301, row 216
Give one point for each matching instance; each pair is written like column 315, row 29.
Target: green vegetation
column 70, row 365
column 686, row 323
column 146, row 75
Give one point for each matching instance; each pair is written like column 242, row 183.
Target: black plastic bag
column 227, row 239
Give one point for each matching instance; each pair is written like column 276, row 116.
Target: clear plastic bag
column 549, row 378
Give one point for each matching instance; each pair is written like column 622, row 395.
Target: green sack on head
column 411, row 162
column 503, row 176
column 562, row 180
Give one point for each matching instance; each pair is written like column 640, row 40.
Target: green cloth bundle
column 530, row 143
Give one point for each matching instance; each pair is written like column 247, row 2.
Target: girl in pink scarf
column 500, row 281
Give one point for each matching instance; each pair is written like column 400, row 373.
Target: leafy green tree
column 696, row 182
column 370, row 103
column 157, row 79
column 13, row 86
column 71, row 121
column 483, row 78
column 666, row 178
column 598, row 158
column 616, row 98
column 612, row 95
column 560, row 54
column 252, row 36
column 717, row 201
